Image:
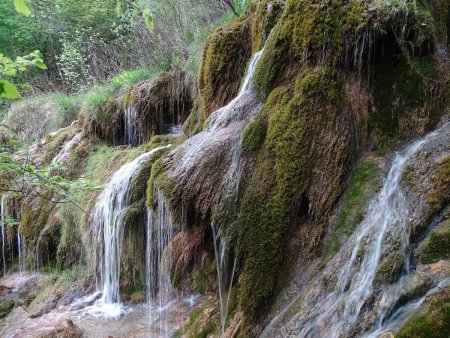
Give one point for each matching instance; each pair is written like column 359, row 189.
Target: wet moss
column 6, row 305
column 264, row 15
column 437, row 246
column 157, row 170
column 364, row 183
column 278, row 195
column 254, row 134
column 203, row 321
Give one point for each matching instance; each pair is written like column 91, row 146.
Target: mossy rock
column 364, row 183
column 437, row 246
column 6, row 305
column 433, row 321
column 167, row 99
column 224, row 61
column 441, row 195
column 284, row 190
column 390, row 269
column 138, row 297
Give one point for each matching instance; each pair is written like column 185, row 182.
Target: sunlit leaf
column 8, row 90
column 148, row 19
column 22, row 6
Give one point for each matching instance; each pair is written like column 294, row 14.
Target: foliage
column 9, row 69
column 20, row 176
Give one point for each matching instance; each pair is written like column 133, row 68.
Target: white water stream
column 63, row 155
column 107, row 223
column 160, row 231
column 3, row 225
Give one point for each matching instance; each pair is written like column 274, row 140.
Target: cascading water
column 160, row 231
column 21, row 251
column 107, row 223
column 225, row 263
column 131, row 126
column 3, row 225
column 333, row 314
column 225, row 266
column 62, row 156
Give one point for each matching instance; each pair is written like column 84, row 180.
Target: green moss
column 363, row 184
column 254, row 134
column 401, row 91
column 390, row 269
column 437, row 246
column 280, row 184
column 441, row 195
column 264, row 15
column 71, row 251
column 157, row 169
column 203, row 322
column 224, row 60
column 304, row 29
column 433, row 322
column 6, row 305
column 34, row 220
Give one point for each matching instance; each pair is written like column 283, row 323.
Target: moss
column 224, row 60
column 304, row 31
column 166, row 99
column 277, row 196
column 441, row 194
column 71, row 250
column 401, row 94
column 390, row 269
column 363, row 184
column 133, row 248
column 432, row 322
column 263, row 19
column 437, row 246
column 254, row 134
column 34, row 218
column 6, row 305
column 157, row 169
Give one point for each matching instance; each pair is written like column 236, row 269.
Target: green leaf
column 148, row 19
column 22, row 6
column 39, row 63
column 8, row 90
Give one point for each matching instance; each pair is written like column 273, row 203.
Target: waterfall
column 333, row 314
column 21, row 251
column 107, row 222
column 3, row 225
column 225, row 266
column 131, row 127
column 354, row 284
column 225, row 263
column 399, row 317
column 160, row 231
column 62, row 156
